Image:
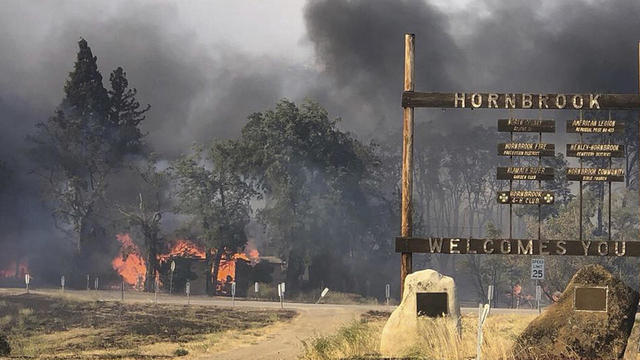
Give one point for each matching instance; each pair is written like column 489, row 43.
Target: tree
column 314, row 179
column 125, row 114
column 147, row 217
column 212, row 191
column 82, row 143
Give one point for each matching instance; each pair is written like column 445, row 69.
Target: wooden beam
column 407, row 157
column 557, row 101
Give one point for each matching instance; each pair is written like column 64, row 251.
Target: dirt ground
column 284, row 340
column 45, row 326
column 88, row 324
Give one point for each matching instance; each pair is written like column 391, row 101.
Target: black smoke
column 200, row 90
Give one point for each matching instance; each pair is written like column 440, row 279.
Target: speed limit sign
column 537, row 269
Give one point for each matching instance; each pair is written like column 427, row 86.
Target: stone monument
column 591, row 320
column 427, row 294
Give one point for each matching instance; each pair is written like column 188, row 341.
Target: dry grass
column 48, row 327
column 439, row 340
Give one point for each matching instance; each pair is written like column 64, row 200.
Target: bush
column 181, row 352
column 5, row 349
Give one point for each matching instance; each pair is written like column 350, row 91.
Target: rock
column 5, row 349
column 562, row 331
column 403, row 329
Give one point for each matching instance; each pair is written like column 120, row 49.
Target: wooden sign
column 461, row 100
column 526, row 197
column 590, row 298
column 595, row 174
column 526, row 149
column 595, row 150
column 432, row 304
column 526, row 125
column 595, row 126
column 524, row 173
column 438, row 245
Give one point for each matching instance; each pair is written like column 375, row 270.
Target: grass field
column 51, row 327
column 361, row 339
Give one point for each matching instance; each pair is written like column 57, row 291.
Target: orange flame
column 129, row 263
column 184, row 248
column 13, row 271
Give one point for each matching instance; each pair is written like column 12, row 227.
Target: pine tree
column 125, row 114
column 81, row 144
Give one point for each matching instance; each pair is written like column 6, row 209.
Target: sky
column 204, row 66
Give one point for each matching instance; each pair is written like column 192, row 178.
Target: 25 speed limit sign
column 537, row 269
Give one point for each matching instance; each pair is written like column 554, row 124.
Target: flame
column 129, row 262
column 131, row 265
column 183, row 248
column 12, row 271
column 227, row 268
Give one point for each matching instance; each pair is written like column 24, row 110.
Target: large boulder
column 402, row 330
column 562, row 332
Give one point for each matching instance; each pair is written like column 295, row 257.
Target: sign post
column 387, row 293
column 27, row 280
column 62, row 283
column 483, row 312
column 187, row 289
column 173, row 268
column 256, row 288
column 281, row 288
column 407, row 157
column 406, row 244
column 537, row 273
column 233, row 293
column 322, row 294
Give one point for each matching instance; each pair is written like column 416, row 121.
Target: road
column 279, row 341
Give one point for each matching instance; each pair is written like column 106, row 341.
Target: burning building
column 191, row 265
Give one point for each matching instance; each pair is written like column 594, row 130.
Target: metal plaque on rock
column 590, row 298
column 432, row 304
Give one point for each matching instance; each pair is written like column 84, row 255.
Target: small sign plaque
column 595, row 126
column 590, row 298
column 526, row 197
column 595, row 174
column 173, row 266
column 537, row 269
column 595, row 150
column 524, row 173
column 432, row 304
column 526, row 149
column 526, row 125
